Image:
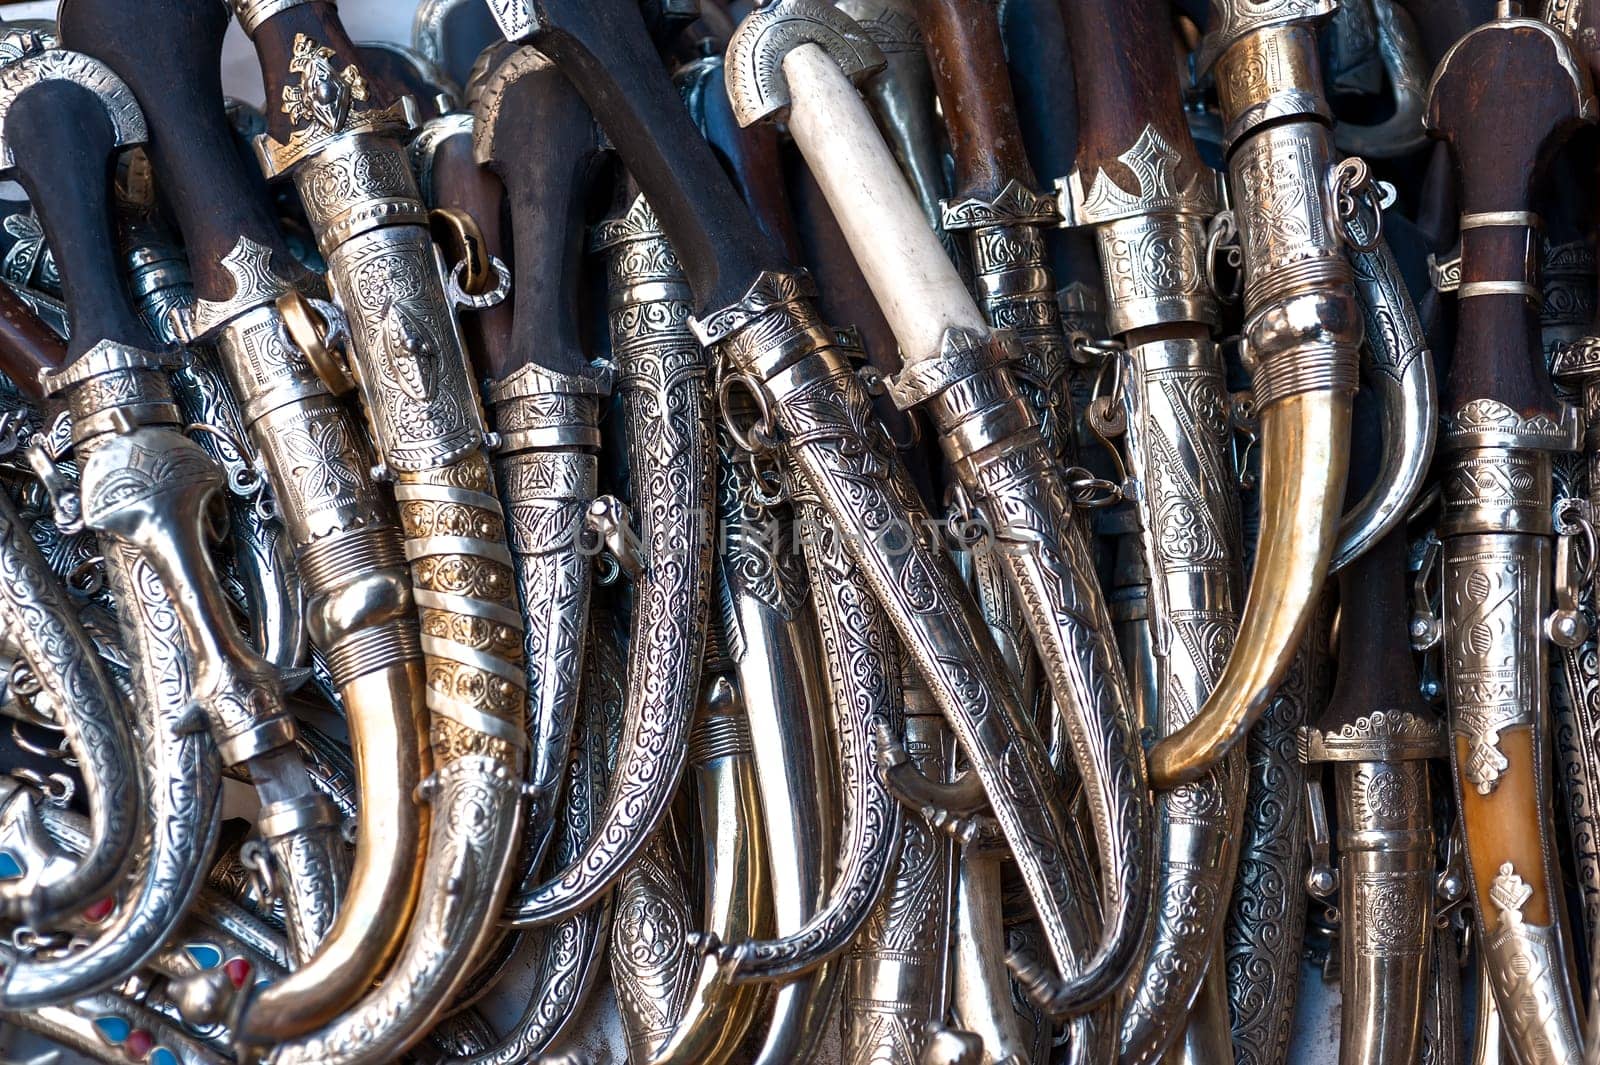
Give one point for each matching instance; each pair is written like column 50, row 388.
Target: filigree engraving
column 1491, row 629
column 1157, row 190
column 754, row 70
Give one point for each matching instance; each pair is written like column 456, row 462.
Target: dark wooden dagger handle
column 27, row 345
column 753, row 157
column 460, row 184
column 212, row 191
column 544, row 147
column 1376, row 670
column 1117, row 101
column 274, row 40
column 64, row 145
column 603, row 47
column 968, row 60
column 1504, row 99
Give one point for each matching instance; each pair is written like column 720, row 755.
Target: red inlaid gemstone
column 238, row 971
column 140, row 1043
column 99, row 911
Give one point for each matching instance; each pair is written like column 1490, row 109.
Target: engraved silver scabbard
column 898, row 969
column 661, row 376
column 856, row 650
column 1302, row 332
column 774, row 338
column 570, row 955
column 405, row 349
column 547, row 465
column 112, row 385
column 42, row 622
column 1386, row 877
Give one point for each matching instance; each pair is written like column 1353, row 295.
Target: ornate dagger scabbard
column 1378, row 734
column 990, row 435
column 341, row 528
column 758, row 314
column 898, row 969
column 765, row 612
column 148, row 487
column 571, row 953
column 112, row 383
column 1504, row 424
column 1302, row 331
column 737, row 895
column 536, row 134
column 653, row 967
column 661, row 376
column 1178, row 445
column 37, row 615
column 1407, row 68
column 260, row 564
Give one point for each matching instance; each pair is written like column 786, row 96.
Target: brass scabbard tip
column 1305, row 457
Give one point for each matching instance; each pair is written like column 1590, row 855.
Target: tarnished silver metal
column 898, row 968
column 547, row 467
column 773, row 336
column 1178, row 449
column 662, row 380
column 112, row 384
column 41, row 621
column 83, row 1026
column 570, row 955
column 1407, row 69
column 1401, row 374
column 1386, row 876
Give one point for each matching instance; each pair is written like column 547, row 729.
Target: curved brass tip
column 1305, row 456
column 387, row 718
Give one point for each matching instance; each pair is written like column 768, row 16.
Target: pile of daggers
column 943, row 532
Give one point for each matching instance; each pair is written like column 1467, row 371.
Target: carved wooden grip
column 969, row 67
column 64, row 143
column 215, row 195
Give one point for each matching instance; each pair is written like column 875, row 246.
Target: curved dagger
column 661, row 375
column 148, row 487
column 343, row 531
column 40, row 619
column 1504, row 424
column 1401, row 133
column 1178, row 445
column 758, row 314
column 1378, row 734
column 111, row 380
column 536, row 134
column 772, row 643
column 869, row 823
column 1401, row 375
column 1302, row 330
column 989, row 434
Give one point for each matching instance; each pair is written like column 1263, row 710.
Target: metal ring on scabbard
column 1302, row 333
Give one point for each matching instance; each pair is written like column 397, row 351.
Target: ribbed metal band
column 718, row 736
column 371, row 649
column 288, row 817
column 439, row 647
column 425, row 546
column 1469, row 289
column 325, row 562
column 473, row 718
